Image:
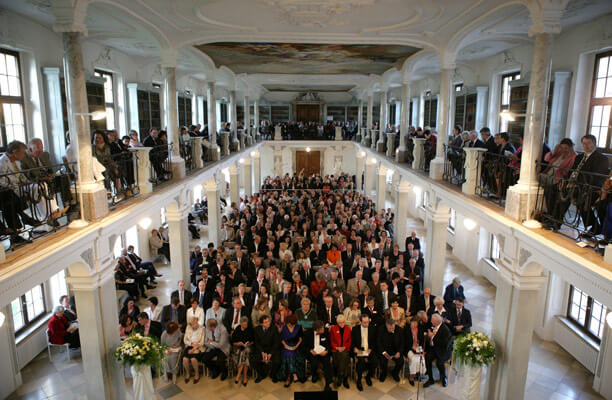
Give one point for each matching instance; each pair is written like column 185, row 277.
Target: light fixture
column 241, row 161
column 469, row 224
column 416, row 190
column 253, row 153
column 95, row 116
column 608, row 320
column 372, row 160
column 145, row 223
column 2, row 318
column 362, row 154
column 307, row 149
column 507, row 115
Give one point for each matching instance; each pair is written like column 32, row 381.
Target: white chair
column 50, row 345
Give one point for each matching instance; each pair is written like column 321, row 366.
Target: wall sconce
column 416, row 190
column 145, row 223
column 469, row 224
column 241, row 161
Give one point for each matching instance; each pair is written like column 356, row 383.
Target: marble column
column 418, row 153
column 416, row 106
column 55, row 119
column 214, row 213
column 400, row 230
column 472, row 167
column 398, row 113
column 201, row 110
column 360, row 115
column 247, row 117
column 196, row 152
column 211, row 109
column 234, row 142
column 177, row 163
column 338, row 131
column 535, row 125
column 248, row 178
column 436, row 168
column 143, row 168
column 234, row 185
column 179, row 237
column 369, row 177
column 562, row 82
column 402, row 154
column 381, row 187
column 391, row 144
column 513, row 322
column 436, row 224
column 481, row 107
column 256, row 171
column 359, row 172
column 92, row 194
column 225, row 142
column 382, row 125
column 278, row 133
column 96, row 300
column 602, row 384
column 368, row 134
column 255, row 120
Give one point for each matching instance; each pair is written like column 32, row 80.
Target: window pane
column 38, row 301
column 118, row 247
column 58, row 286
column 131, row 238
column 602, row 69
column 4, row 86
column 17, row 314
column 2, row 64
column 110, row 118
column 14, row 89
column 11, row 65
column 600, row 86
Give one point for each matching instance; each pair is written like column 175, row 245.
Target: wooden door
column 307, row 112
column 310, row 162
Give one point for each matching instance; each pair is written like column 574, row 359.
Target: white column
column 55, row 119
column 255, row 122
column 177, row 162
column 214, row 213
column 401, row 214
column 369, row 177
column 416, row 106
column 178, row 236
column 436, row 168
column 472, row 169
column 398, row 113
column 359, row 172
column 513, row 322
column 360, row 115
column 92, row 194
column 338, row 133
column 558, row 111
column 256, row 170
column 96, row 300
column 380, row 144
column 481, row 107
column 381, row 189
column 368, row 135
column 234, row 185
column 247, row 115
column 418, row 153
column 234, row 121
column 602, row 384
column 248, row 178
column 143, row 168
column 535, row 125
column 278, row 133
column 421, row 113
column 436, row 224
column 211, row 105
column 196, row 152
column 201, row 110
column 402, row 154
column 391, row 144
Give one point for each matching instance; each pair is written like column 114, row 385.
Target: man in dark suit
column 174, row 312
column 437, row 347
column 453, row 291
column 390, row 347
column 461, row 318
column 287, row 295
column 489, row 142
column 384, row 298
column 427, row 300
column 363, row 344
column 183, row 295
column 376, row 319
column 414, row 240
column 409, row 302
column 266, row 354
column 315, row 339
column 203, row 295
column 328, row 311
column 341, row 299
column 232, row 316
column 348, row 256
column 147, row 327
column 475, row 142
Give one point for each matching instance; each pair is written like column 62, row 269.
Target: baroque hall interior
column 281, row 199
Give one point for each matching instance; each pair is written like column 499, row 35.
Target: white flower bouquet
column 141, row 350
column 474, row 348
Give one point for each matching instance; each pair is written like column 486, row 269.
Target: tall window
column 452, row 220
column 12, row 116
column 109, row 102
column 430, row 110
column 493, row 248
column 586, row 312
column 505, row 97
column 131, row 238
column 149, row 111
column 600, row 121
column 28, row 307
column 58, row 286
column 118, row 246
column 184, row 111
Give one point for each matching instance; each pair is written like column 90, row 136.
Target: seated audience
column 173, row 340
column 60, row 331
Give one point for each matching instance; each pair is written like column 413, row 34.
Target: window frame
column 452, row 220
column 100, row 73
column 493, row 248
column 13, row 100
column 586, row 327
column 514, row 75
column 602, row 101
column 29, row 321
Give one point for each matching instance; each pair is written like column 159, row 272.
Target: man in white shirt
column 318, row 345
column 362, row 342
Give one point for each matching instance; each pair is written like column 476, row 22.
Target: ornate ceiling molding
column 315, row 13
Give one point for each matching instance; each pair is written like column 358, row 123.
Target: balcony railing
column 120, row 176
column 161, row 168
column 497, row 173
column 575, row 203
column 37, row 201
column 454, row 161
column 186, row 151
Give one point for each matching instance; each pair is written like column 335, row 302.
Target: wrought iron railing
column 186, row 151
column 574, row 203
column 37, row 201
column 454, row 160
column 497, row 173
column 120, row 176
column 161, row 168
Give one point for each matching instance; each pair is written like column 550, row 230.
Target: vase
column 142, row 382
column 471, row 380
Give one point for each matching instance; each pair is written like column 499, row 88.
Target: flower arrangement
column 474, row 348
column 141, row 350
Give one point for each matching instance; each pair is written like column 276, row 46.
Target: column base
column 380, row 146
column 178, row 169
column 436, row 168
column 517, row 198
column 401, row 155
column 95, row 203
column 358, row 138
column 145, row 187
column 367, row 142
column 215, row 152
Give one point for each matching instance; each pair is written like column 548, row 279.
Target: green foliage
column 475, row 349
column 141, row 350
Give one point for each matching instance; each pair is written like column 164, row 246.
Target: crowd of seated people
column 311, row 274
column 62, row 327
column 314, row 130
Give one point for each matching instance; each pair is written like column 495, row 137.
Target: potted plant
column 473, row 351
column 141, row 353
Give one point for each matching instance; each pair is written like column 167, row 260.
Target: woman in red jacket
column 340, row 338
column 61, row 331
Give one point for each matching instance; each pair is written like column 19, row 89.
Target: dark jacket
column 442, row 344
column 166, row 316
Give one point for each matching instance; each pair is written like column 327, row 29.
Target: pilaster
column 436, row 168
column 391, row 144
column 472, row 168
column 211, row 109
column 214, row 214
column 55, row 119
column 171, row 103
column 178, row 235
column 359, row 172
column 402, row 153
column 436, row 222
column 248, row 179
column 381, row 187
column 401, row 214
column 558, row 111
column 481, row 107
column 256, row 170
column 234, row 185
column 133, row 121
column 369, row 177
column 196, row 152
column 338, row 131
column 418, row 153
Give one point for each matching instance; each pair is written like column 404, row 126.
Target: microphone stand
column 420, row 367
